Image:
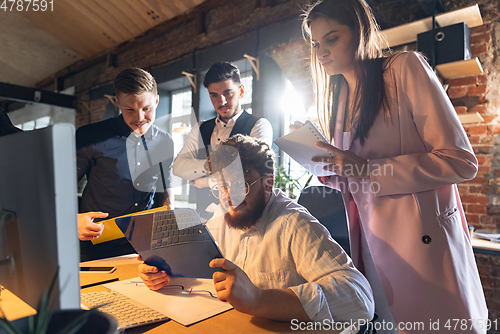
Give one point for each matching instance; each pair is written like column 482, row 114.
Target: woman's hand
column 343, row 163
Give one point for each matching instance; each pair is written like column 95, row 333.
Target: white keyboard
column 127, row 311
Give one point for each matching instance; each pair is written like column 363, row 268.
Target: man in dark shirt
column 127, row 161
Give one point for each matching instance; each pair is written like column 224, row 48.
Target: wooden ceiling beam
column 155, row 32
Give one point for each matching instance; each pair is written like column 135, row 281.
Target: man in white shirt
column 224, row 86
column 280, row 263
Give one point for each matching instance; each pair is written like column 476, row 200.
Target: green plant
column 39, row 323
column 288, row 184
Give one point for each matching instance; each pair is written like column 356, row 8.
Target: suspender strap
column 151, row 163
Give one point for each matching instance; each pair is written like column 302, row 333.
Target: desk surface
column 231, row 321
column 485, row 246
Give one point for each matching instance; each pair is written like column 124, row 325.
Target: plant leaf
column 8, row 326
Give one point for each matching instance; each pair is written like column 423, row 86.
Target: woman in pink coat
column 399, row 150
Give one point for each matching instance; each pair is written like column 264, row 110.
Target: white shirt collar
column 231, row 121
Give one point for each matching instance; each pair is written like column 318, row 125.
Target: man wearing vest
column 224, row 86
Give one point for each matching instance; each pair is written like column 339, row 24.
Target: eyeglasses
column 241, row 188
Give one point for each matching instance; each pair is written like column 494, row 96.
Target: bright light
column 292, row 104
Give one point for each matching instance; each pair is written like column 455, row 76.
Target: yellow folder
column 112, row 232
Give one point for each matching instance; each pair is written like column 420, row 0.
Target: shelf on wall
column 470, row 118
column 407, row 33
column 461, row 68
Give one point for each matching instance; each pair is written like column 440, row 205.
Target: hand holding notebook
column 300, row 145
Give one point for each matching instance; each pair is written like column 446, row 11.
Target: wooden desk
column 230, row 321
column 483, row 246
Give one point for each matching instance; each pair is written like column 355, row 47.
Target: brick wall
column 481, row 94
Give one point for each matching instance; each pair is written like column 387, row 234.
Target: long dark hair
column 369, row 95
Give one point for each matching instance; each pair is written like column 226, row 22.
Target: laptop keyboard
column 171, row 229
column 127, row 311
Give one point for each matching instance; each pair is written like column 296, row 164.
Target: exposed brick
column 477, row 180
column 484, row 159
column 476, row 50
column 474, row 139
column 482, row 149
column 480, row 29
column 463, row 189
column 495, row 272
column 486, row 139
column 461, row 110
column 472, row 218
column 483, row 170
column 476, row 91
column 476, row 208
column 484, row 270
column 465, row 81
column 483, row 99
column 479, row 108
column 489, row 118
column 480, row 39
column 482, row 79
column 478, row 189
column 488, row 282
column 494, row 129
column 456, row 92
column 486, row 220
column 484, row 260
column 475, row 199
column 477, row 130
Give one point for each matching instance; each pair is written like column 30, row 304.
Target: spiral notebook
column 300, row 145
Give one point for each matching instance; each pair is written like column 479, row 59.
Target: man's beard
column 249, row 216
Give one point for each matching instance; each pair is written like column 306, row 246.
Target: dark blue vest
column 244, row 125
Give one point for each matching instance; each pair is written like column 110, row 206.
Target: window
column 181, row 126
column 247, row 81
column 39, row 123
column 293, row 109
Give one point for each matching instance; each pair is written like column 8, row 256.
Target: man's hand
column 234, row 286
column 201, row 182
column 153, row 278
column 87, row 229
column 296, row 125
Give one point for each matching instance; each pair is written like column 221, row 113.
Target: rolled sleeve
column 335, row 289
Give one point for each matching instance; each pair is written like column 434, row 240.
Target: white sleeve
column 186, row 164
column 263, row 130
column 335, row 289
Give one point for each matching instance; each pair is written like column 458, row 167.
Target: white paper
column 301, row 146
column 487, row 234
column 181, row 306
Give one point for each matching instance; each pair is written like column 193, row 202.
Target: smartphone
column 102, row 270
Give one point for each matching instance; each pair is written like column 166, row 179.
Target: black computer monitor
column 38, row 215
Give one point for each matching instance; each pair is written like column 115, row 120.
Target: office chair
column 327, row 206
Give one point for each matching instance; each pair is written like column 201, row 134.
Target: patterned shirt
column 289, row 248
column 189, row 167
